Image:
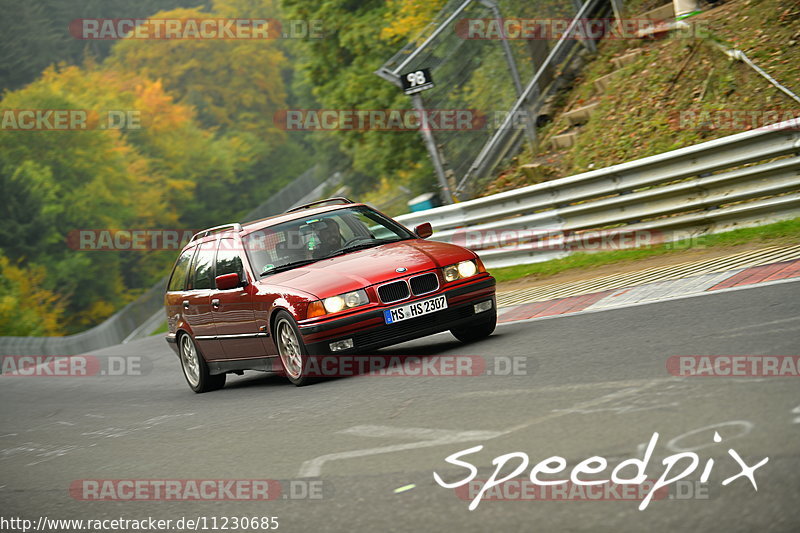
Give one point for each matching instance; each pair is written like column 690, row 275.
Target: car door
column 197, row 302
column 232, row 309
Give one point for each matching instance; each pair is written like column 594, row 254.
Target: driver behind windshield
column 329, row 239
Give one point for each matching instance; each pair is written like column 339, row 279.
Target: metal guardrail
column 740, row 180
column 112, row 331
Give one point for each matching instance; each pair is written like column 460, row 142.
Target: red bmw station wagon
column 331, row 277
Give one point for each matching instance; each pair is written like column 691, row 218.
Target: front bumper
column 369, row 331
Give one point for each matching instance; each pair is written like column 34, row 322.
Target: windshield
column 307, row 240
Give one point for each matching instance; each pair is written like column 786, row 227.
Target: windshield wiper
column 288, row 266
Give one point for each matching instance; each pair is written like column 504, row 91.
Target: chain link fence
column 504, row 82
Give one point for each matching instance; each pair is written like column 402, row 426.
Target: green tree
column 341, row 68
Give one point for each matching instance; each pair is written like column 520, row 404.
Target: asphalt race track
column 592, row 384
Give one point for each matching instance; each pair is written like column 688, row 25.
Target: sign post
column 413, row 83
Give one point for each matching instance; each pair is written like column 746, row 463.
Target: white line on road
column 438, row 437
column 432, row 437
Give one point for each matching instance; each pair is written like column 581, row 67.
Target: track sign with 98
column 416, row 81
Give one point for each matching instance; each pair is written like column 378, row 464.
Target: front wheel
column 195, row 369
column 478, row 330
column 292, row 350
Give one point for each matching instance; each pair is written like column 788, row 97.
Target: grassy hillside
column 638, row 115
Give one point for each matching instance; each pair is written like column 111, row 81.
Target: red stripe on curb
column 792, row 270
column 751, row 275
column 573, row 304
column 762, row 272
column 521, row 312
column 560, row 306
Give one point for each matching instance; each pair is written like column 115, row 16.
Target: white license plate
column 413, row 310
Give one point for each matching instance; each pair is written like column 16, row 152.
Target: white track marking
column 438, row 437
column 745, row 427
column 431, row 437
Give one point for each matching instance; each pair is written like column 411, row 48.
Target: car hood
column 362, row 268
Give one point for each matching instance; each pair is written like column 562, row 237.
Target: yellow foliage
column 25, row 307
column 236, row 84
column 409, row 17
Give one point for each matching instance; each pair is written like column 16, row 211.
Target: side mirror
column 424, row 230
column 228, row 281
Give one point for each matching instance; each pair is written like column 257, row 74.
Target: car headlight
column 467, row 269
column 334, row 304
column 450, row 273
column 464, row 269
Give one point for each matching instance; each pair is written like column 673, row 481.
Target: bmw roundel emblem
column 400, row 270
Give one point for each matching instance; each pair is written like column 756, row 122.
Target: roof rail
column 200, row 234
column 340, row 199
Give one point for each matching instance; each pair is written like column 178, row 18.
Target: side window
column 178, row 280
column 228, row 259
column 203, row 276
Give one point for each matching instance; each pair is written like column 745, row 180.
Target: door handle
column 186, row 304
column 215, row 303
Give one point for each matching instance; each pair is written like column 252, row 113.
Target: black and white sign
column 417, row 81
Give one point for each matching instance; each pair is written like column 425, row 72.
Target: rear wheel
column 478, row 330
column 195, row 369
column 291, row 349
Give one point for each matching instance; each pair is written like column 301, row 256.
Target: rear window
column 178, row 280
column 203, row 277
column 228, row 259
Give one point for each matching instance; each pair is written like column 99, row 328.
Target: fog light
column 483, row 306
column 338, row 346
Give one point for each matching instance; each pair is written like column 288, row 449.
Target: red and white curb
column 653, row 292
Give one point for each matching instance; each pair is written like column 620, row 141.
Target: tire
column 478, row 330
column 291, row 350
column 195, row 369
